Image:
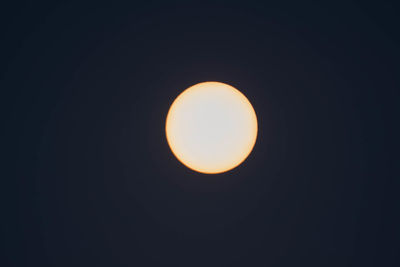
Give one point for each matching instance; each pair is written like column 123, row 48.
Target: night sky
column 89, row 178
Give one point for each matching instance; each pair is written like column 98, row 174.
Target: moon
column 211, row 127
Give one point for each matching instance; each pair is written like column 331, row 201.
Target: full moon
column 211, row 127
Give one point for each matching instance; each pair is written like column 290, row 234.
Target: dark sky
column 90, row 180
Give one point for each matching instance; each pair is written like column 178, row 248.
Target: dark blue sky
column 90, row 180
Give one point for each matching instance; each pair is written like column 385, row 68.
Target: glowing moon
column 211, row 127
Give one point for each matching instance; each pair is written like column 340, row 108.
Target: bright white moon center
column 211, row 127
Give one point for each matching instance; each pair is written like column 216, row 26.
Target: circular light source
column 211, row 127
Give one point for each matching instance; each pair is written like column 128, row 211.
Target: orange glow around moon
column 211, row 127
